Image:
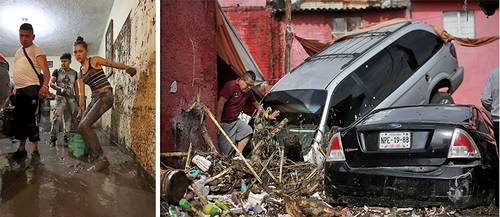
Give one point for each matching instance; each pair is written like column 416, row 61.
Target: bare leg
column 22, row 145
column 243, row 143
column 35, row 146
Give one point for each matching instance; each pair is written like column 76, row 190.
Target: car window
column 384, row 73
column 418, row 46
column 349, row 102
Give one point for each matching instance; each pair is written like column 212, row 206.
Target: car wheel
column 442, row 98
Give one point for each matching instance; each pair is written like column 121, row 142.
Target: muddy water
column 60, row 185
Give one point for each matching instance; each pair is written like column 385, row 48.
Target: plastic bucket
column 76, row 145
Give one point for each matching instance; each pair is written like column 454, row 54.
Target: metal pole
column 288, row 34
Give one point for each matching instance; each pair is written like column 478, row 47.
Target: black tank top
column 95, row 78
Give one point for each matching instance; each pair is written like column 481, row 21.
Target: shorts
column 237, row 131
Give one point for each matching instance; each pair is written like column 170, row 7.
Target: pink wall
column 317, row 25
column 477, row 61
column 188, row 57
column 242, row 3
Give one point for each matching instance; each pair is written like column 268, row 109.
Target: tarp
column 312, row 46
column 231, row 49
column 468, row 42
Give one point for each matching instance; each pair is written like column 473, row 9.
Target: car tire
column 442, row 98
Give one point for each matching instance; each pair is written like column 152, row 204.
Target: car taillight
column 463, row 146
column 453, row 51
column 335, row 151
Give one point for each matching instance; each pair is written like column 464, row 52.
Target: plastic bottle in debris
column 221, row 205
column 185, row 204
column 202, row 163
column 209, row 209
column 243, row 185
column 201, row 184
column 172, row 211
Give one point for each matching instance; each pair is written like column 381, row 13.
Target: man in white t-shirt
column 30, row 61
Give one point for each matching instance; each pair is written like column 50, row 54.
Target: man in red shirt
column 232, row 98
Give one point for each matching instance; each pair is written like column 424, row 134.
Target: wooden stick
column 218, row 175
column 209, row 113
column 281, row 163
column 197, row 212
column 174, row 154
column 270, row 174
column 291, row 166
column 207, row 139
column 200, row 194
column 312, row 173
column 188, row 159
column 261, row 171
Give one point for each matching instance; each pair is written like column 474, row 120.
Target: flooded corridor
column 60, row 185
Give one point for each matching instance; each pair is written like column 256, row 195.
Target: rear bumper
column 453, row 186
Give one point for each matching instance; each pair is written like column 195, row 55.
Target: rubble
column 266, row 184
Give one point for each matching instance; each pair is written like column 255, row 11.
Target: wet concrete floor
column 60, row 185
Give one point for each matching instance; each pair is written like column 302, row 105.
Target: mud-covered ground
column 60, row 185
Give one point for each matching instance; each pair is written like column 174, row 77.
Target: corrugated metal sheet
column 340, row 5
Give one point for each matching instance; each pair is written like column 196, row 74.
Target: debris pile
column 265, row 183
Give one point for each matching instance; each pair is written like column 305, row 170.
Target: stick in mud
column 188, row 159
column 174, row 154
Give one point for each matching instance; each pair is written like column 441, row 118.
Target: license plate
column 394, row 140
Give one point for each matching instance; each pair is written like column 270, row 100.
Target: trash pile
column 264, row 184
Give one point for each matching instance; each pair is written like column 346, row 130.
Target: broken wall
column 131, row 121
column 188, row 54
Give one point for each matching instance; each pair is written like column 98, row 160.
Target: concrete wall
column 135, row 96
column 477, row 61
column 188, row 55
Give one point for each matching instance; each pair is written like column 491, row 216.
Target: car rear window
column 441, row 113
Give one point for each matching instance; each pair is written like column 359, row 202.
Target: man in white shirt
column 30, row 61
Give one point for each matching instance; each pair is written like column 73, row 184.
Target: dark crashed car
column 416, row 156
